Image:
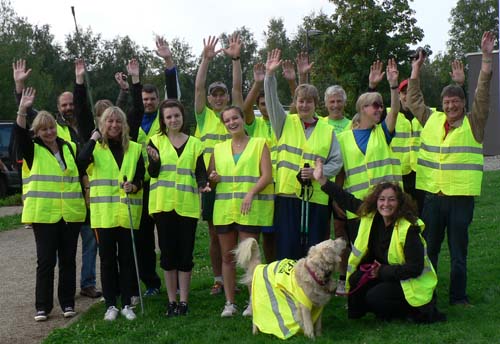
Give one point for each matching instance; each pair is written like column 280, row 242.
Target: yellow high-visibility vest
column 416, row 129
column 401, row 142
column 50, row 193
column 236, row 180
column 263, row 129
column 451, row 165
column 418, row 291
column 294, row 150
column 212, row 132
column 108, row 203
column 63, row 132
column 362, row 171
column 175, row 188
column 143, row 139
column 276, row 298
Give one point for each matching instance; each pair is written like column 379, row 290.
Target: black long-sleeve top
column 380, row 238
column 85, row 158
column 82, row 112
column 200, row 170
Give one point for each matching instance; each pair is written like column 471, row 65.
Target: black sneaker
column 69, row 312
column 182, row 308
column 171, row 309
column 40, row 316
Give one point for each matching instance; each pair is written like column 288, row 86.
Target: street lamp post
column 311, row 33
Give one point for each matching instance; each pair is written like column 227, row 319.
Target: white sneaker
column 128, row 313
column 340, row 291
column 230, row 309
column 111, row 313
column 248, row 311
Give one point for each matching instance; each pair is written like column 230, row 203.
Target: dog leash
column 366, row 268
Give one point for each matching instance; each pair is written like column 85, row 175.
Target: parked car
column 10, row 176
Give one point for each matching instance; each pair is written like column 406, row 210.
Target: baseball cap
column 217, row 85
column 403, row 85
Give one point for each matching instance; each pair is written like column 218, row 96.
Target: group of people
column 280, row 174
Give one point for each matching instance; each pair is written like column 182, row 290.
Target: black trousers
column 55, row 242
column 118, row 274
column 176, row 236
column 145, row 245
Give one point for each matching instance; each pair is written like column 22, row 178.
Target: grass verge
column 478, row 324
column 11, row 200
column 10, row 222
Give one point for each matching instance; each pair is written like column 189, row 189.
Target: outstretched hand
column 416, row 64
column 273, row 61
column 303, row 65
column 376, row 74
column 20, row 73
column 133, row 68
column 121, row 79
column 392, row 72
column 27, row 99
column 162, row 48
column 209, row 51
column 234, row 46
column 487, row 42
column 288, row 70
column 79, row 71
column 457, row 73
column 259, row 72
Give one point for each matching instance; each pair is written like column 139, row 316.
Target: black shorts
column 207, row 205
column 221, row 229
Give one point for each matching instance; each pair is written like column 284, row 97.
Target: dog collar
column 313, row 275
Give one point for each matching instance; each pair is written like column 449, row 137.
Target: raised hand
column 121, row 80
column 303, row 65
column 376, row 74
column 273, row 61
column 392, row 72
column 487, row 42
column 209, row 51
column 416, row 64
column 133, row 68
column 259, row 72
column 27, row 99
column 288, row 70
column 79, row 71
column 19, row 71
column 162, row 48
column 457, row 73
column 234, row 47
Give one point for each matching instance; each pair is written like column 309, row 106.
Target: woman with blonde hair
column 115, row 168
column 54, row 205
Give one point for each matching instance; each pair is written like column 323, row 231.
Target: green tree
column 469, row 19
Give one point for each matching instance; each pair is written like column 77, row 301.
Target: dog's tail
column 247, row 257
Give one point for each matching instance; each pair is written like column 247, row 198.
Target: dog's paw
column 309, row 335
column 255, row 330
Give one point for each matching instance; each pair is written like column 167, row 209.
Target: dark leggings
column 176, row 236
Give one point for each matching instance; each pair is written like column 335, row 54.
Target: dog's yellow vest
column 276, row 297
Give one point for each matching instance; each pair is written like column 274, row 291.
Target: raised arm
column 303, row 67
column 481, row 103
column 163, row 51
column 392, row 77
column 82, row 112
column 208, row 54
column 414, row 97
column 259, row 73
column 376, row 74
column 27, row 99
column 234, row 52
column 172, row 89
column 277, row 114
column 122, row 99
column 289, row 75
column 134, row 116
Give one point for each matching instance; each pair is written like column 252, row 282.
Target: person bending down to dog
column 389, row 272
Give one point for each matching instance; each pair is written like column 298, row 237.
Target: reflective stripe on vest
column 453, row 164
column 294, row 150
column 365, row 170
column 108, row 202
column 49, row 193
column 212, row 132
column 418, row 291
column 236, row 181
column 263, row 129
column 176, row 188
column 143, row 140
column 276, row 299
column 401, row 142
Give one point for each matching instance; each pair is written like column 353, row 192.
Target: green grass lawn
column 478, row 324
column 10, row 222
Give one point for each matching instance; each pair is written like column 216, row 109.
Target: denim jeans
column 89, row 252
column 453, row 214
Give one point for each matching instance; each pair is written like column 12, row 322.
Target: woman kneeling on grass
column 115, row 167
column 389, row 272
column 178, row 174
column 244, row 199
column 53, row 204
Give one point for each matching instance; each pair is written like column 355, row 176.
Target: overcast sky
column 195, row 19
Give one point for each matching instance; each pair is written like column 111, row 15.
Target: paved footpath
column 17, row 288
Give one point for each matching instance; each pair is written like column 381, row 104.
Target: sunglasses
column 376, row 105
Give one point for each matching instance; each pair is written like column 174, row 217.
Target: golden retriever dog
column 288, row 296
